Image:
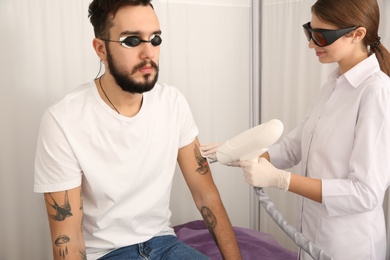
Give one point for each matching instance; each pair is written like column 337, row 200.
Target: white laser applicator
column 250, row 144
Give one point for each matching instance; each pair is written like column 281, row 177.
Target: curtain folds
column 384, row 33
column 206, row 54
column 46, row 51
column 291, row 76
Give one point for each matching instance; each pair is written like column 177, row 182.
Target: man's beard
column 125, row 80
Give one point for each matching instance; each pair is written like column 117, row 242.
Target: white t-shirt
column 125, row 165
column 345, row 141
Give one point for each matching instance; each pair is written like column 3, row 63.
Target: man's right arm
column 65, row 213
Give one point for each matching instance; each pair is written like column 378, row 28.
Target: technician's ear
column 100, row 49
column 359, row 33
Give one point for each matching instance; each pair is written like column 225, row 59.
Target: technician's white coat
column 345, row 141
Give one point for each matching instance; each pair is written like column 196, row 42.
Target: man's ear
column 100, row 48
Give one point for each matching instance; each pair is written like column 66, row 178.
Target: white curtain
column 291, row 76
column 384, row 33
column 207, row 56
column 47, row 51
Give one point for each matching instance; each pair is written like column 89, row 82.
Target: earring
column 354, row 40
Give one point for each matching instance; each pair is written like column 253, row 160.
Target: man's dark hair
column 101, row 13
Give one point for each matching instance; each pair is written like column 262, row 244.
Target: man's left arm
column 197, row 174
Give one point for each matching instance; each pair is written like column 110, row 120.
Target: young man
column 107, row 152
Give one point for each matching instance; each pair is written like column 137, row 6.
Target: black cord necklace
column 100, row 83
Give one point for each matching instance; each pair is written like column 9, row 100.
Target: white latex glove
column 252, row 156
column 209, row 150
column 264, row 174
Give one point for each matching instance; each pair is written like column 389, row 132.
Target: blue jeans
column 158, row 248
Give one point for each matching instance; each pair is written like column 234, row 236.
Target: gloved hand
column 264, row 174
column 209, row 151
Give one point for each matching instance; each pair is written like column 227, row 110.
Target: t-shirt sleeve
column 56, row 167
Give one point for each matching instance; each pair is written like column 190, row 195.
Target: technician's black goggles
column 325, row 37
column 133, row 41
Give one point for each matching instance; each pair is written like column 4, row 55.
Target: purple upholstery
column 253, row 244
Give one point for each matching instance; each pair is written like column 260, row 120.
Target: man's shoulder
column 166, row 91
column 76, row 95
column 166, row 88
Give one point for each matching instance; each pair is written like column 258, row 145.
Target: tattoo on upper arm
column 61, row 242
column 202, row 162
column 63, row 211
column 210, row 220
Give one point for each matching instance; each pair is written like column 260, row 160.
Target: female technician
column 343, row 143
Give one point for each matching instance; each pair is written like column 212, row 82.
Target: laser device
column 249, row 145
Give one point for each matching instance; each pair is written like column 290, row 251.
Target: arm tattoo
column 61, row 242
column 81, row 200
column 202, row 162
column 81, row 208
column 63, row 211
column 210, row 220
column 83, row 254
